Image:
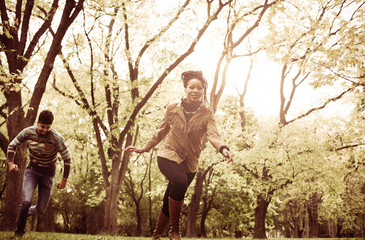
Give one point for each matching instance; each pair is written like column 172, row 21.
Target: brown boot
column 175, row 210
column 161, row 223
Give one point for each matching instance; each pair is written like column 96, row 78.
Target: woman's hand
column 134, row 149
column 227, row 154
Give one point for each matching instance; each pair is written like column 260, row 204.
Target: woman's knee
column 180, row 183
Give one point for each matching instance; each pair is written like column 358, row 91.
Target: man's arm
column 10, row 158
column 17, row 141
column 66, row 156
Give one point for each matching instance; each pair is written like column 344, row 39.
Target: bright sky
column 263, row 88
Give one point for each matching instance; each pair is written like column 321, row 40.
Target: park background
column 286, row 82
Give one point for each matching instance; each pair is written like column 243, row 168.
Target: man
column 44, row 144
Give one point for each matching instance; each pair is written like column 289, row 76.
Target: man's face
column 43, row 129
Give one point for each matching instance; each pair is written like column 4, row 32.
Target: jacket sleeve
column 159, row 134
column 17, row 141
column 212, row 133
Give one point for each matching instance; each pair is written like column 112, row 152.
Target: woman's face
column 194, row 90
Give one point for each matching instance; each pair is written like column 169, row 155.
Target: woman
column 183, row 128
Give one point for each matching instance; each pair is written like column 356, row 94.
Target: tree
column 254, row 13
column 316, row 54
column 332, row 173
column 120, row 118
column 309, row 50
column 136, row 192
column 19, row 42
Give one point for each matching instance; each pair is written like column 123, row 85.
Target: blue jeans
column 32, row 179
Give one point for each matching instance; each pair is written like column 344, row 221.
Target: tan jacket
column 182, row 140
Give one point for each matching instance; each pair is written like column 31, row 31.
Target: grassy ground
column 65, row 236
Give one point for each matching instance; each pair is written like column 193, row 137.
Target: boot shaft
column 175, row 212
column 161, row 223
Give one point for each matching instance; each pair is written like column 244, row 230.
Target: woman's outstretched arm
column 134, row 149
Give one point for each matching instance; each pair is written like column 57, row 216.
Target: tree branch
column 108, row 60
column 63, row 93
column 294, row 87
column 55, row 48
column 264, row 7
column 255, row 174
column 350, row 146
column 229, row 46
column 85, row 103
column 144, row 100
column 47, row 23
column 322, row 106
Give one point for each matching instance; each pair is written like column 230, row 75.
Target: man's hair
column 45, row 117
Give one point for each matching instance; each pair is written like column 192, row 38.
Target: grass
column 66, row 236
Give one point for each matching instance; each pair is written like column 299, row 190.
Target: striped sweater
column 43, row 150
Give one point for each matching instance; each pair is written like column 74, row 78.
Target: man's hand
column 13, row 167
column 62, row 183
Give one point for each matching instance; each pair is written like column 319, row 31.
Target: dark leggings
column 179, row 181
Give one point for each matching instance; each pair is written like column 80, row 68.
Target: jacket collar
column 178, row 109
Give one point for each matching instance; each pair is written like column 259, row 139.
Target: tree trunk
column 287, row 227
column 332, row 229
column 14, row 180
column 260, row 216
column 203, row 231
column 194, row 206
column 287, row 230
column 16, row 120
column 139, row 219
column 82, row 228
column 313, row 215
column 13, row 196
column 111, row 206
column 339, row 228
column 296, row 230
column 151, row 228
column 112, row 189
column 95, row 220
